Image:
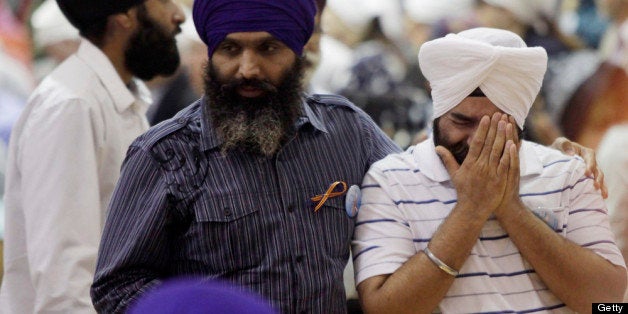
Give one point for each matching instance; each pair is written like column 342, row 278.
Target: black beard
column 258, row 125
column 151, row 50
column 459, row 150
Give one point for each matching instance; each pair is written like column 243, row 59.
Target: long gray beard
column 257, row 126
column 264, row 133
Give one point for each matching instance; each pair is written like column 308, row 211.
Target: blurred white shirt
column 64, row 159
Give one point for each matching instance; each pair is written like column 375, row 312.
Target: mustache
column 460, row 152
column 254, row 83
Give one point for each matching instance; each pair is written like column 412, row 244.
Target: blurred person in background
column 600, row 101
column 382, row 82
column 67, row 147
column 173, row 93
column 613, row 160
column 16, row 81
column 343, row 27
column 54, row 37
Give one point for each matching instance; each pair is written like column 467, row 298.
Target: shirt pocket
column 228, row 231
column 336, row 226
column 550, row 211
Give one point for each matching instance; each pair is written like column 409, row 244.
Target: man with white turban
column 474, row 220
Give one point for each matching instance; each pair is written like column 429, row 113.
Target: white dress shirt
column 65, row 155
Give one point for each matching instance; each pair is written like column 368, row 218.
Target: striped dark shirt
column 182, row 208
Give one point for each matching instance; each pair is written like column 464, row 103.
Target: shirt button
column 182, row 120
column 299, row 258
column 291, row 208
column 227, row 212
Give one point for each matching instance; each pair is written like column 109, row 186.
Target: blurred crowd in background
column 366, row 50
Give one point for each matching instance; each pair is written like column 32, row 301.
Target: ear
column 125, row 20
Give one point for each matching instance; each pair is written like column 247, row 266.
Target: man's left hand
column 572, row 148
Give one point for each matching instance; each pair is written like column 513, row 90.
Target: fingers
column 491, row 135
column 603, row 187
column 478, row 139
column 513, row 173
column 588, row 155
column 504, row 161
column 564, row 145
column 515, row 136
column 500, row 140
column 448, row 160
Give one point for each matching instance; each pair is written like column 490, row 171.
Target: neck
column 114, row 50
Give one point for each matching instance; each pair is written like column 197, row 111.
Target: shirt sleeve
column 379, row 145
column 135, row 243
column 588, row 221
column 62, row 208
column 383, row 240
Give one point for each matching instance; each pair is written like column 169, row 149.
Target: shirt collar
column 431, row 166
column 123, row 97
column 211, row 139
column 308, row 115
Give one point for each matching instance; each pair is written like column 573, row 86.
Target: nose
column 249, row 65
column 179, row 16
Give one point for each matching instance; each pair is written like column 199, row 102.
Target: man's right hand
column 483, row 178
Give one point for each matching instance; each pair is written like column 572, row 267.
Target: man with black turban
column 67, row 148
column 227, row 188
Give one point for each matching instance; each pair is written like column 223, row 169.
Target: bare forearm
column 562, row 264
column 419, row 285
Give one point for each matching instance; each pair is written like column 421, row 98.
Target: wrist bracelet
column 444, row 267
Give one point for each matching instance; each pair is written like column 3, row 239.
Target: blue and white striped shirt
column 407, row 196
column 182, row 208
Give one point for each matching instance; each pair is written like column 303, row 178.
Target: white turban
column 497, row 61
column 50, row 26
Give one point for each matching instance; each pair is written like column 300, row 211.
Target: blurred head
column 52, row 32
column 90, row 16
column 616, row 10
column 152, row 48
column 312, row 49
column 517, row 16
column 421, row 15
column 349, row 21
column 253, row 79
column 193, row 296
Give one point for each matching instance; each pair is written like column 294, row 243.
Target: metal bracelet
column 440, row 264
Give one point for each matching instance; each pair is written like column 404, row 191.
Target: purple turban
column 291, row 21
column 193, row 296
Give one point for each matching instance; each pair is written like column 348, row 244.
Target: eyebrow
column 257, row 41
column 461, row 116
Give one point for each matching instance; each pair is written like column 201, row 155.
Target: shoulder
column 555, row 163
column 188, row 119
column 548, row 155
column 396, row 163
column 332, row 102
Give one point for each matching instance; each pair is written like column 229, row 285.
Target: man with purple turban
column 249, row 183
column 474, row 220
column 68, row 145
